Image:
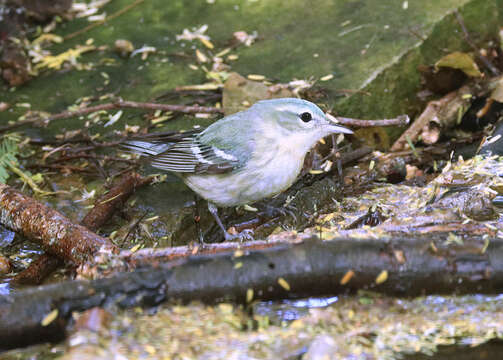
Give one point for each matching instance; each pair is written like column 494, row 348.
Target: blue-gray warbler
column 244, row 157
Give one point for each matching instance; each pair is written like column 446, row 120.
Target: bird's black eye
column 306, row 116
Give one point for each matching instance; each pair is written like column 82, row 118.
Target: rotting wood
column 414, row 266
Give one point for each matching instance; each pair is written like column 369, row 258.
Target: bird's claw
column 246, row 234
column 272, row 211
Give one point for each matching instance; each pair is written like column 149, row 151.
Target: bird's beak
column 335, row 127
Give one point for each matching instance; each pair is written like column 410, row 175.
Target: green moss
column 371, row 45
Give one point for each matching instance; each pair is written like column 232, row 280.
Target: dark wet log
column 106, row 205
column 409, row 266
column 48, row 228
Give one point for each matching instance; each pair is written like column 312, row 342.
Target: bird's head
column 298, row 119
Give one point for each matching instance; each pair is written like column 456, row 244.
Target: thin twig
column 468, row 39
column 401, row 120
column 108, row 18
column 111, row 106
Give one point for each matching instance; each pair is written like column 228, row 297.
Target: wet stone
column 479, row 207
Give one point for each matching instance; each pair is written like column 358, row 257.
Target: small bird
column 244, row 157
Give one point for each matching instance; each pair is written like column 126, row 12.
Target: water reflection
column 4, row 289
column 289, row 310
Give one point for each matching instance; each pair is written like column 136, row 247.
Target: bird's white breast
column 273, row 168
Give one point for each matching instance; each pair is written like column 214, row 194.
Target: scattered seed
column 206, row 43
column 249, row 295
column 256, row 77
column 347, row 277
column 486, row 245
column 201, row 57
column 223, row 52
column 135, row 248
column 284, row 284
column 49, row 318
column 382, row 277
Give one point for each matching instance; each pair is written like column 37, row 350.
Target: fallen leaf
column 461, row 61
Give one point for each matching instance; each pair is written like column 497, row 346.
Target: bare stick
column 468, row 39
column 401, row 120
column 111, row 106
column 106, row 206
column 108, row 18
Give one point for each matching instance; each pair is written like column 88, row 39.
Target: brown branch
column 95, row 218
column 401, row 120
column 438, row 114
column 38, row 270
column 106, row 205
column 112, row 106
column 59, row 167
column 49, row 228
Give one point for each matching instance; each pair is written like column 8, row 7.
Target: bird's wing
column 183, row 153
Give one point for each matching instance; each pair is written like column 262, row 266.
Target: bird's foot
column 246, row 234
column 273, row 211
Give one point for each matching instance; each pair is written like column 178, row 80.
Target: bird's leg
column 243, row 235
column 197, row 219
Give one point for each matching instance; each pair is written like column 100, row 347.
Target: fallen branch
column 112, row 106
column 401, row 120
column 54, row 232
column 409, row 266
column 95, row 218
column 106, row 206
column 38, row 270
column 438, row 114
column 494, row 70
column 155, row 257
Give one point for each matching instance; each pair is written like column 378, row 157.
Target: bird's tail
column 153, row 144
